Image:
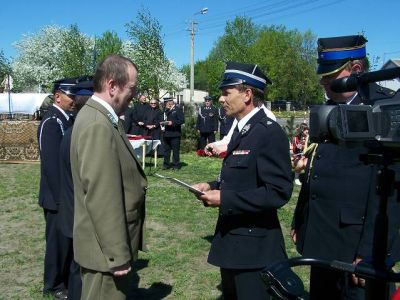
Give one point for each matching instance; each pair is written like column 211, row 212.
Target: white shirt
column 227, row 138
column 107, row 107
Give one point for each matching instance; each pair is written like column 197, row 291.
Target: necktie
column 235, row 133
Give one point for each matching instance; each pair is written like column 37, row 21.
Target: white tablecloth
column 143, row 146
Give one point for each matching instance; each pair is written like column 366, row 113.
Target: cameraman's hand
column 293, row 235
column 357, row 280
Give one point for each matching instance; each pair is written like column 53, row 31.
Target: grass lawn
column 179, row 231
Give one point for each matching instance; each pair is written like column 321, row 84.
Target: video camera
column 365, row 124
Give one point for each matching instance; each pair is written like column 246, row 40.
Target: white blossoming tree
column 53, row 53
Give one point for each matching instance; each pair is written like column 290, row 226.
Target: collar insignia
column 245, row 129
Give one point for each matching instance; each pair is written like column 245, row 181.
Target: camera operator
column 330, row 217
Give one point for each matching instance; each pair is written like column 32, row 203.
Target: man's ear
column 111, row 86
column 57, row 97
column 356, row 68
column 248, row 93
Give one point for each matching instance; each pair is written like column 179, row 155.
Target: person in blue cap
column 255, row 181
column 50, row 132
column 331, row 214
column 81, row 92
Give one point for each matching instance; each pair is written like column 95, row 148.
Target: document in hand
column 181, row 183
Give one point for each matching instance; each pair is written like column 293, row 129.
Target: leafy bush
column 190, row 136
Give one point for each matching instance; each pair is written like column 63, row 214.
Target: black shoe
column 166, row 167
column 60, row 294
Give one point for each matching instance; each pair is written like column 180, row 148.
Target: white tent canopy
column 26, row 103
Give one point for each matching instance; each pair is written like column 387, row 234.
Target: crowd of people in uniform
column 93, row 188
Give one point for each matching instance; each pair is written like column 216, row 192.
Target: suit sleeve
column 50, row 140
column 100, row 170
column 273, row 176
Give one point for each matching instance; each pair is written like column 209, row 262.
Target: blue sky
column 377, row 19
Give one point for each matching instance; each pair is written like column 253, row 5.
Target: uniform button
column 249, row 230
column 315, row 176
column 222, row 181
column 313, row 196
column 319, row 156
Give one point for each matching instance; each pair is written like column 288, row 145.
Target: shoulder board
column 266, row 121
column 386, row 91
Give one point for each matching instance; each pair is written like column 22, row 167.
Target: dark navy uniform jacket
column 66, row 207
column 255, row 181
column 50, row 133
column 335, row 214
column 207, row 119
column 177, row 117
column 225, row 122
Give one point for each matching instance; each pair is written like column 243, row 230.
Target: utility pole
column 203, row 11
column 192, row 32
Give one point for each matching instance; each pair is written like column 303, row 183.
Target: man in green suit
column 109, row 185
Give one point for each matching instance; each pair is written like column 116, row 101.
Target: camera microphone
column 354, row 81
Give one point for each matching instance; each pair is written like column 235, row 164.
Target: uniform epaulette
column 266, row 121
column 385, row 91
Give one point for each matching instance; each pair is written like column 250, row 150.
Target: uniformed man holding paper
column 255, row 181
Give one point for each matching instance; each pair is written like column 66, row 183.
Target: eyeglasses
column 153, row 103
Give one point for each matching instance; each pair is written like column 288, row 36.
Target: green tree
column 148, row 48
column 287, row 56
column 4, row 65
column 289, row 60
column 76, row 53
column 235, row 44
column 108, row 43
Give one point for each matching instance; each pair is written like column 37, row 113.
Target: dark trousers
column 206, row 138
column 174, row 144
column 333, row 285
column 74, row 279
column 56, row 268
column 243, row 284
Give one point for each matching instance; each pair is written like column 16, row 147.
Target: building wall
column 184, row 96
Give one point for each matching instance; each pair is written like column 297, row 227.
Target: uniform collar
column 62, row 111
column 246, row 118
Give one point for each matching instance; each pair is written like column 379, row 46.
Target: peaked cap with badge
column 335, row 52
column 84, row 88
column 67, row 85
column 240, row 73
